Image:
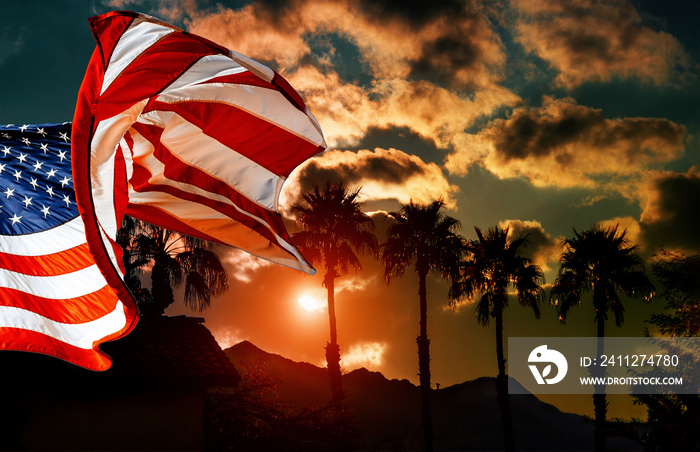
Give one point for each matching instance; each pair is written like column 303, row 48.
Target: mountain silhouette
column 465, row 415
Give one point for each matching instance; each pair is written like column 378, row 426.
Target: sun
column 310, row 304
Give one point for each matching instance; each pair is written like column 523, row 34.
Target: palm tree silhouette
column 601, row 261
column 174, row 260
column 333, row 227
column 421, row 234
column 495, row 263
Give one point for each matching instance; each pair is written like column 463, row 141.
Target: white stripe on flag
column 54, row 240
column 138, row 38
column 253, row 66
column 108, row 134
column 206, row 68
column 57, row 287
column 143, row 155
column 214, row 223
column 189, row 144
column 264, row 103
column 81, row 335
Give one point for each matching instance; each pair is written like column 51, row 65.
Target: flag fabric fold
column 53, row 298
column 180, row 132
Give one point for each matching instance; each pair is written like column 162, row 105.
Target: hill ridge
column 465, row 415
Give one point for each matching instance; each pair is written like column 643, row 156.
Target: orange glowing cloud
column 456, row 42
column 366, row 354
column 417, row 60
column 346, row 110
column 564, row 144
column 245, row 264
column 541, row 248
column 631, row 226
column 592, row 41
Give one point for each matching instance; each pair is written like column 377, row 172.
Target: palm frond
column 494, row 263
column 600, row 260
column 333, row 227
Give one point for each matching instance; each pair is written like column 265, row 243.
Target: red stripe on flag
column 242, row 78
column 175, row 169
column 30, row 341
column 151, row 72
column 66, row 310
column 108, row 29
column 273, row 219
column 159, row 217
column 59, row 263
column 256, row 138
column 289, row 92
column 83, row 128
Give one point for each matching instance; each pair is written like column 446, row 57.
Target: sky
column 540, row 116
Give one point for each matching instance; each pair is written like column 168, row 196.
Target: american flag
column 53, row 298
column 180, row 132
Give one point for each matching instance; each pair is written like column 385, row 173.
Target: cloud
column 241, row 264
column 255, row 32
column 417, row 62
column 228, row 337
column 564, row 144
column 631, row 226
column 170, row 10
column 671, row 211
column 366, row 354
column 382, row 174
column 541, row 247
column 356, row 283
column 452, row 41
column 595, row 41
column 670, row 216
column 346, row 110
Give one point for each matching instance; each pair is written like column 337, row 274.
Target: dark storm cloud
column 566, row 144
column 593, row 41
column 382, row 174
column 454, row 49
column 445, row 56
column 418, row 12
column 374, row 166
column 672, row 217
column 529, row 133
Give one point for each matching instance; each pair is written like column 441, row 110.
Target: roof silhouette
column 167, row 350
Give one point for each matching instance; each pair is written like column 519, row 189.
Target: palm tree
column 333, row 227
column 174, row 260
column 421, row 234
column 601, row 261
column 495, row 263
column 672, row 419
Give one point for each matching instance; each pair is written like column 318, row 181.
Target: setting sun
column 310, row 304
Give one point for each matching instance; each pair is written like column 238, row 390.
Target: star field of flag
column 36, row 185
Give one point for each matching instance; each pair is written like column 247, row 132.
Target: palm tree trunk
column 502, row 389
column 600, row 404
column 162, row 291
column 332, row 348
column 424, row 365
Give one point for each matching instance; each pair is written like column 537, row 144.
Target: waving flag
column 180, row 132
column 53, row 298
